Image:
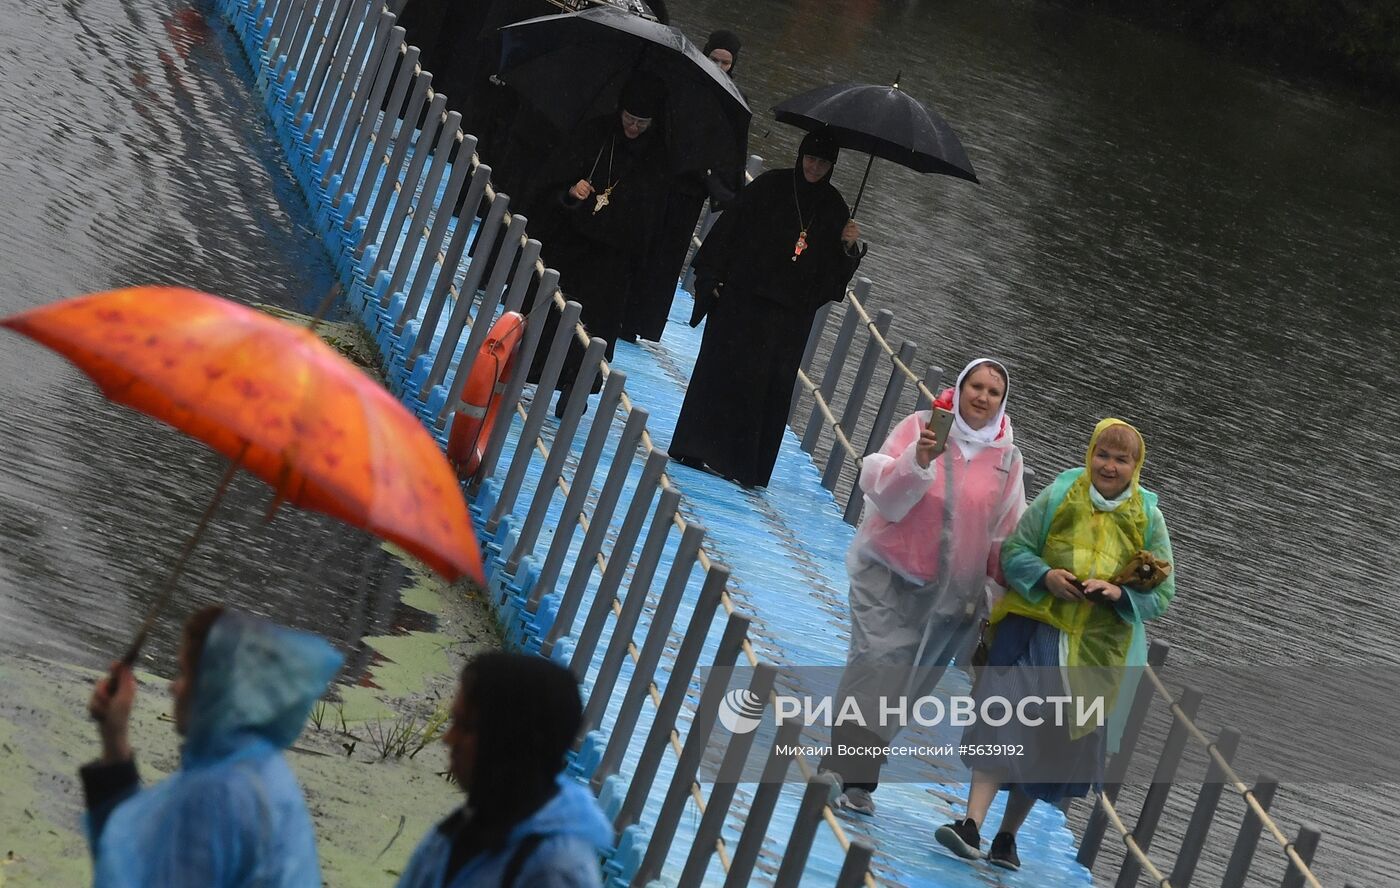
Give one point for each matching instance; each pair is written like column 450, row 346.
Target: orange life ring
column 476, row 413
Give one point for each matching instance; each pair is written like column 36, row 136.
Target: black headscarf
column 527, row 713
column 819, row 143
column 643, row 96
column 726, row 40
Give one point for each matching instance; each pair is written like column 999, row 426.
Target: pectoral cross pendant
column 602, row 200
column 800, row 246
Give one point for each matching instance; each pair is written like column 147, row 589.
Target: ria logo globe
column 740, row 711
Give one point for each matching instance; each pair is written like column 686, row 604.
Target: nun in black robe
column 781, row 252
column 597, row 242
column 650, row 304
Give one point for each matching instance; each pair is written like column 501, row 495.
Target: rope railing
column 1130, row 842
column 827, row 415
column 1232, row 778
column 879, row 338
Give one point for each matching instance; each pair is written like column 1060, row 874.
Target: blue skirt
column 1041, row 760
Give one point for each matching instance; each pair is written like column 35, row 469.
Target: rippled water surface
column 132, row 150
column 1160, row 235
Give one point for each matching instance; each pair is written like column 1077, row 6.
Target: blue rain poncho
column 233, row 814
column 574, row 831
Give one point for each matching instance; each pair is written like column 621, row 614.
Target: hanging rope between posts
column 1131, row 844
column 1234, row 781
column 885, row 346
column 830, row 418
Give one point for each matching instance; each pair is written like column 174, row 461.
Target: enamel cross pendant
column 800, row 246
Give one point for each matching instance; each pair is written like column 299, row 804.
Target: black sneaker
column 1003, row 853
column 961, row 837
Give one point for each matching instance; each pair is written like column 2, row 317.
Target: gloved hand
column 707, row 288
column 707, row 292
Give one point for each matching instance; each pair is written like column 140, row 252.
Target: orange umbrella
column 274, row 399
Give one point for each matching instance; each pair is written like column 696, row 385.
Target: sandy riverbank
column 369, row 810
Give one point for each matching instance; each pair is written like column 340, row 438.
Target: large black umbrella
column 636, row 7
column 882, row 121
column 573, row 66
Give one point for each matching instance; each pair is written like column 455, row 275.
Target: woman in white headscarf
column 925, row 562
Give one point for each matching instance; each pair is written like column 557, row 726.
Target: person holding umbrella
column 786, row 247
column 599, row 200
column 881, row 121
column 232, row 814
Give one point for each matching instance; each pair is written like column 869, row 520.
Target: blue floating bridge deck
column 784, row 545
column 786, row 549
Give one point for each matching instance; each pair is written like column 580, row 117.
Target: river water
column 133, row 150
column 1161, row 235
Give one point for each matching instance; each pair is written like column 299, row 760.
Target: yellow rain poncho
column 1065, row 528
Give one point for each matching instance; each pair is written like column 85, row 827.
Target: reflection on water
column 1160, row 235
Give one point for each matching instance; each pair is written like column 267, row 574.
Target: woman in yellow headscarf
column 1069, row 627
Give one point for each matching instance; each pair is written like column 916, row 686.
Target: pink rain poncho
column 941, row 526
column 925, row 562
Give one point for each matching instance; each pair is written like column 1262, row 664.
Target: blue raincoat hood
column 255, row 680
column 232, row 815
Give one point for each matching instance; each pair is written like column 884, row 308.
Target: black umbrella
column 636, row 7
column 573, row 66
column 882, row 121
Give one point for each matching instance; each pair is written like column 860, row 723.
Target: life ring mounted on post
column 477, row 411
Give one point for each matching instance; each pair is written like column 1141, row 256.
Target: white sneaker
column 857, row 800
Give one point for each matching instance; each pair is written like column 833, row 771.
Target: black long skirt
column 649, row 304
column 595, row 276
column 740, row 391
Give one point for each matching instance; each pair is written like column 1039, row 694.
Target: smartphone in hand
column 941, row 423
